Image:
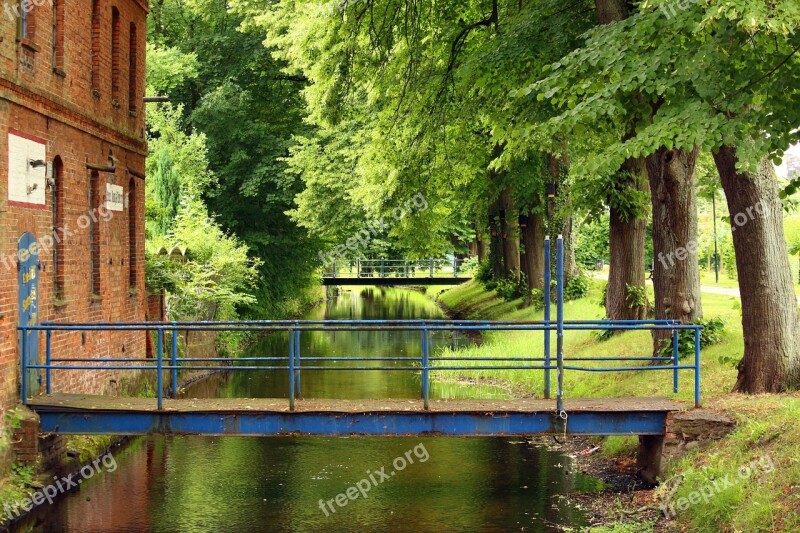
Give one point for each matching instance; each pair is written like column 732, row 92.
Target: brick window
column 132, row 79
column 115, row 59
column 132, row 241
column 58, row 225
column 96, row 47
column 94, row 233
column 58, row 36
column 26, row 26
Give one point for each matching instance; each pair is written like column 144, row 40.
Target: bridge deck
column 344, row 280
column 71, row 413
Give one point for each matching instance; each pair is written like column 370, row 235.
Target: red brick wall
column 51, row 98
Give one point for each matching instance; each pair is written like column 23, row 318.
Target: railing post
column 675, row 361
column 160, row 368
column 455, row 266
column 405, row 267
column 174, row 360
column 383, row 261
column 23, row 386
column 697, row 366
column 425, row 362
column 358, row 267
column 298, row 388
column 48, row 357
column 560, row 322
column 431, row 267
column 547, row 317
column 291, row 369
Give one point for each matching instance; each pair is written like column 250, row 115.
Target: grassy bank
column 765, row 441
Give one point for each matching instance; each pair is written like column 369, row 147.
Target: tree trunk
column 626, row 243
column 610, row 10
column 771, row 361
column 510, row 227
column 676, row 270
column 481, row 246
column 496, row 240
column 533, row 258
column 571, row 269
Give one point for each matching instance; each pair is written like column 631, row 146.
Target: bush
column 509, row 289
column 711, row 334
column 577, row 287
column 484, row 273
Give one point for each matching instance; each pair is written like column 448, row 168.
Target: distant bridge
column 293, row 415
column 431, row 271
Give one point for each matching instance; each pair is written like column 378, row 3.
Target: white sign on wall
column 115, row 199
column 27, row 170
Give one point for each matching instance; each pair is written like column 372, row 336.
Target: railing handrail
column 426, row 363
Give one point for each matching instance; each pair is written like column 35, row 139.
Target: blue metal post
column 697, row 366
column 174, row 361
column 675, row 361
column 425, row 362
column 560, row 321
column 48, row 357
column 23, row 386
column 291, row 368
column 160, row 368
column 298, row 389
column 547, row 317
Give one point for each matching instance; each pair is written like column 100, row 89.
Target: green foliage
column 635, row 296
column 577, row 287
column 510, row 288
column 712, row 332
column 484, row 273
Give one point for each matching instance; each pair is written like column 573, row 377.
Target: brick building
column 72, row 152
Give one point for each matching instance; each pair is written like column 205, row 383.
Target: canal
column 238, row 484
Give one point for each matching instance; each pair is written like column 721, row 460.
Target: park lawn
column 766, row 439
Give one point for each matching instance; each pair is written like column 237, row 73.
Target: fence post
column 560, row 322
column 547, row 317
column 48, row 358
column 405, row 266
column 160, row 368
column 291, row 368
column 425, row 356
column 675, row 361
column 697, row 366
column 23, row 386
column 383, row 261
column 174, row 360
column 431, row 267
column 298, row 388
column 358, row 267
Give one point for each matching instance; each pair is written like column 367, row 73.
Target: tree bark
column 626, row 243
column 771, row 361
column 611, row 10
column 571, row 269
column 496, row 240
column 676, row 270
column 510, row 228
column 533, row 257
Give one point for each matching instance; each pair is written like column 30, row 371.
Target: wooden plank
column 79, row 402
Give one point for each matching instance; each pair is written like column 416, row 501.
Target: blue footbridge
column 548, row 411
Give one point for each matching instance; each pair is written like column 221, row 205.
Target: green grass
column 767, row 427
column 472, row 301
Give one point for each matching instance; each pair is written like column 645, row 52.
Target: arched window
column 133, row 242
column 94, row 232
column 115, row 60
column 132, row 78
column 58, row 35
column 96, row 46
column 59, row 261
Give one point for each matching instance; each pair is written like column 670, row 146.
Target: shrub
column 484, row 273
column 577, row 287
column 713, row 329
column 509, row 289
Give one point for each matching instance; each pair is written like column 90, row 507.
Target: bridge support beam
column 648, row 458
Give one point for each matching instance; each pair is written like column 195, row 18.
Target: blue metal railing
column 425, row 364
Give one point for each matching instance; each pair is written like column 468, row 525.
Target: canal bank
column 227, row 484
